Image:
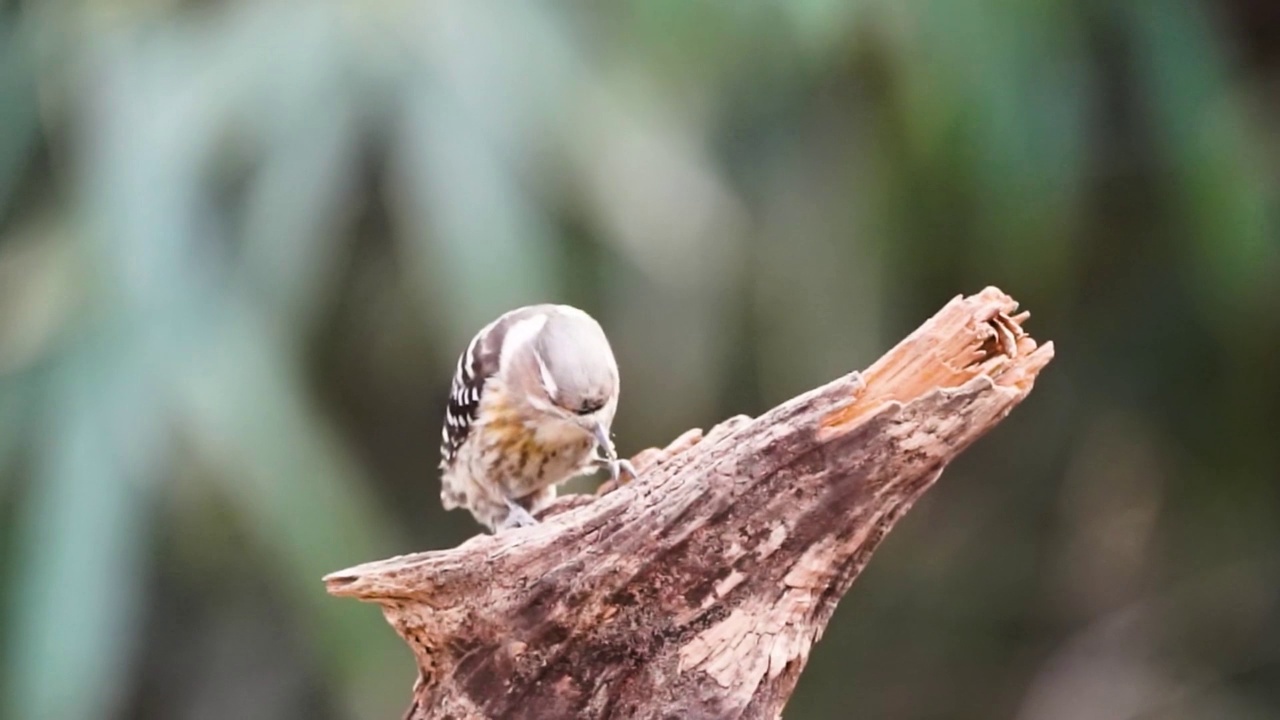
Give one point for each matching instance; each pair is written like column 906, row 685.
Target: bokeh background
column 242, row 244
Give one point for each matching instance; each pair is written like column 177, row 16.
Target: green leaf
column 302, row 498
column 76, row 589
column 1225, row 194
column 19, row 127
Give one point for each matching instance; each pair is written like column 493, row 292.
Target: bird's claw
column 618, row 468
column 517, row 516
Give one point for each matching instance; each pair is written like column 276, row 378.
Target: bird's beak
column 603, row 441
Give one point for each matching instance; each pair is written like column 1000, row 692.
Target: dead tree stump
column 697, row 590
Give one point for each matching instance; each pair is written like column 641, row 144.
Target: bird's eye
column 589, row 406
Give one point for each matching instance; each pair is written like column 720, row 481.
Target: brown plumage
column 533, row 398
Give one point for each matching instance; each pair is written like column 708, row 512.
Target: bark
column 697, row 590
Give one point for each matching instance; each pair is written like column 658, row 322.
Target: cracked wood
column 698, row 590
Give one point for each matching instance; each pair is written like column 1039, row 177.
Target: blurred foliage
column 242, row 243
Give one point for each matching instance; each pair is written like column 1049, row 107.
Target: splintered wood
column 697, row 590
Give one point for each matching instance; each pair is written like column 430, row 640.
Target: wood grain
column 698, row 590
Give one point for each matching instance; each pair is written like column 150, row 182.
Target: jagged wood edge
column 549, row 621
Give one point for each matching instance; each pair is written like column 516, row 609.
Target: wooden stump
column 698, row 590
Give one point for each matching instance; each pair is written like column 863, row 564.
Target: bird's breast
column 525, row 450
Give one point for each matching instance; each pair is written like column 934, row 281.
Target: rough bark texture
column 697, row 590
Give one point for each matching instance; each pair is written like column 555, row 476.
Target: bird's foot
column 517, row 516
column 617, row 467
column 621, row 472
column 620, row 468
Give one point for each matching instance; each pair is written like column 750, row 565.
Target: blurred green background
column 242, row 244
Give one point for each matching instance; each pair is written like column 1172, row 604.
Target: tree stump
column 697, row 590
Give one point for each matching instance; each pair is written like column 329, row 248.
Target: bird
column 530, row 406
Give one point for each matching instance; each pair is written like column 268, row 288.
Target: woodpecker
column 530, row 406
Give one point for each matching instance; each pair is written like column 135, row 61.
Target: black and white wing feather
column 479, row 363
column 464, row 397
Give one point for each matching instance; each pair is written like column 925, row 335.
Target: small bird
column 530, row 407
